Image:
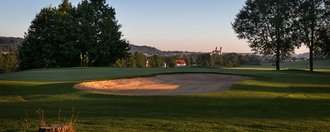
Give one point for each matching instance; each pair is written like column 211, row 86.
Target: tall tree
column 312, row 20
column 324, row 42
column 85, row 26
column 37, row 50
column 66, row 36
column 101, row 36
column 267, row 25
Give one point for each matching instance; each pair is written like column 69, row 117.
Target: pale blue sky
column 187, row 25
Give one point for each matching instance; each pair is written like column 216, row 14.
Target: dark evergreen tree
column 86, row 38
column 68, row 52
column 67, row 36
column 37, row 49
column 100, row 31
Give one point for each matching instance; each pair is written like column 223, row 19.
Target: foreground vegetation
column 289, row 100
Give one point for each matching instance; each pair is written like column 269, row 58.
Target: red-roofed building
column 181, row 63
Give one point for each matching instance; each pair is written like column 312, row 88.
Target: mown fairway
column 289, row 100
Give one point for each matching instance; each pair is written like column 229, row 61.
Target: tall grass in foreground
column 63, row 124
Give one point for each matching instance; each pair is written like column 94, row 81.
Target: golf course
column 269, row 100
column 165, row 66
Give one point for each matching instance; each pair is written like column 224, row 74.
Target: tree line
column 139, row 60
column 226, row 60
column 10, row 62
column 66, row 36
column 276, row 27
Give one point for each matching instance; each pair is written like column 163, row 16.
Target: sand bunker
column 170, row 84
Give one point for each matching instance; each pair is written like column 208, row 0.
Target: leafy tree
column 156, row 61
column 268, row 26
column 212, row 61
column 193, row 60
column 219, row 62
column 324, row 42
column 203, row 60
column 140, row 60
column 187, row 59
column 231, row 60
column 8, row 62
column 227, row 60
column 121, row 63
column 131, row 61
column 250, row 60
column 170, row 61
column 311, row 20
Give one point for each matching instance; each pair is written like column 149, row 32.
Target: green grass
column 288, row 100
column 320, row 65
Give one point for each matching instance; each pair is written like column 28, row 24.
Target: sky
column 184, row 25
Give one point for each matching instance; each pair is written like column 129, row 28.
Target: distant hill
column 10, row 44
column 145, row 49
column 303, row 55
column 149, row 51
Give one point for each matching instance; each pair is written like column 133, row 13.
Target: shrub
column 8, row 62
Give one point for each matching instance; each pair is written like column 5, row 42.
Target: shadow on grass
column 44, row 89
column 288, row 89
column 95, row 106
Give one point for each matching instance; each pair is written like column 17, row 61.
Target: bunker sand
column 170, row 84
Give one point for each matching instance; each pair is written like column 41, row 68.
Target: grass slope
column 319, row 65
column 289, row 100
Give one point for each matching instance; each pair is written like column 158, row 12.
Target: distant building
column 180, row 63
column 216, row 51
column 164, row 64
column 147, row 63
